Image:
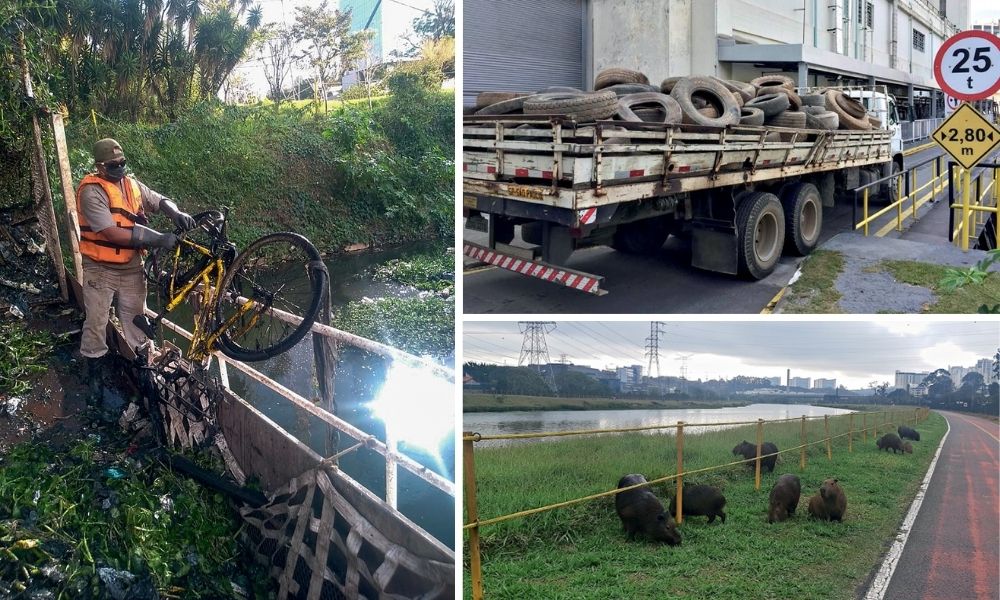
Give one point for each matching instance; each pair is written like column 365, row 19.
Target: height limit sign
column 967, row 66
column 967, row 136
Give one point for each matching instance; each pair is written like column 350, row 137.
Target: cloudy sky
column 853, row 352
column 985, row 11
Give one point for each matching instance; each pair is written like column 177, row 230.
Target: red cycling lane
column 953, row 551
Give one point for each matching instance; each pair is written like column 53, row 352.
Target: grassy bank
column 506, row 403
column 581, row 552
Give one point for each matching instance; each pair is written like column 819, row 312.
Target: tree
column 879, row 390
column 938, row 384
column 327, row 44
column 433, row 25
column 275, row 46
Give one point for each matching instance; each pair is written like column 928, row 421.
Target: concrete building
column 528, row 45
column 993, row 27
column 957, row 373
column 908, row 380
column 984, row 367
column 825, row 384
column 800, row 382
column 774, row 381
column 630, row 377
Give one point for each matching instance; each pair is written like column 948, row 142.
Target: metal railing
column 977, row 216
column 920, row 129
column 469, row 439
column 906, row 190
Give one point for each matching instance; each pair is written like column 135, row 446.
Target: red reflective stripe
column 590, row 286
column 683, row 168
column 521, row 172
column 491, row 169
column 465, row 166
column 547, row 174
column 636, row 172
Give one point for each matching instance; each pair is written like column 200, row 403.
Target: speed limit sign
column 967, row 66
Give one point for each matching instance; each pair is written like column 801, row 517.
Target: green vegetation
column 64, row 515
column 505, row 403
column 429, row 273
column 581, row 552
column 975, row 277
column 22, row 354
column 950, row 298
column 417, row 325
column 815, row 291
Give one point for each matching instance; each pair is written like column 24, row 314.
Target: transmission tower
column 684, row 365
column 653, row 346
column 534, row 349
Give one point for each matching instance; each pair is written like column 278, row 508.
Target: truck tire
column 743, row 91
column 751, row 116
column 642, row 237
column 875, row 123
column 504, row 107
column 803, row 217
column 714, row 93
column 773, row 81
column 709, row 111
column 668, row 84
column 789, row 118
column 793, row 99
column 760, row 231
column 822, row 120
column 485, row 99
column 650, row 115
column 814, row 110
column 561, row 89
column 771, row 104
column 890, row 188
column 669, row 106
column 813, row 100
column 847, row 111
column 585, row 107
column 624, row 89
column 612, row 76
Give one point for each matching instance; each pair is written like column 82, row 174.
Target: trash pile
column 26, row 275
column 627, row 95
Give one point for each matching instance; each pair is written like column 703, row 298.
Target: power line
column 534, row 350
column 653, row 346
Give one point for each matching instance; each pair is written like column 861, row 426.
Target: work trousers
column 102, row 284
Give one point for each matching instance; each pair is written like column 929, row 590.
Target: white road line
column 880, row 585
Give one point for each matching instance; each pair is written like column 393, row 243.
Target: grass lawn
column 580, row 551
column 507, row 402
column 814, row 292
column 966, row 299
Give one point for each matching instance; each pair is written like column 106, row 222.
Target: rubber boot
column 95, row 380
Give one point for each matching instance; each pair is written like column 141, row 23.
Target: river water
column 501, row 423
column 360, row 380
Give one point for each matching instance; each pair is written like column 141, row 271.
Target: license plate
column 523, row 191
column 469, row 201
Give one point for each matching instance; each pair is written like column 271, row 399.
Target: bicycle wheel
column 283, row 271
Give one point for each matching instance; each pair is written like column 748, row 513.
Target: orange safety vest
column 125, row 211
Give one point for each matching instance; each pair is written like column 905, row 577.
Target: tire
column 599, row 105
column 642, row 237
column 485, row 99
column 773, row 81
column 890, row 188
column 242, row 278
column 624, row 89
column 669, row 106
column 650, row 115
column 824, row 120
column 613, row 76
column 814, row 110
column 714, row 93
column 875, row 123
column 803, row 217
column 744, row 91
column 771, row 104
column 668, row 84
column 795, row 120
column 813, row 100
column 561, row 89
column 504, row 107
column 793, row 99
column 751, row 116
column 760, row 229
column 846, row 109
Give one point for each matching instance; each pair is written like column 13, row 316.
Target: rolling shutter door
column 521, row 45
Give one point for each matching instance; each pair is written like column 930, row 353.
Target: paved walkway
column 952, row 551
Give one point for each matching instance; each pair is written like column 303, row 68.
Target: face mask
column 116, row 173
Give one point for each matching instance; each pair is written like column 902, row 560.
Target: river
column 500, row 423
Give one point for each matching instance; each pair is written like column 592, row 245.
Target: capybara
column 784, row 498
column 748, row 451
column 908, row 433
column 701, row 500
column 890, row 440
column 908, row 447
column 830, row 503
column 640, row 510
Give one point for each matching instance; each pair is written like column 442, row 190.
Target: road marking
column 769, row 309
column 880, row 585
column 969, row 421
column 920, row 148
column 480, row 269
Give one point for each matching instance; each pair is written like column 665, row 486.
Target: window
column 869, row 14
column 918, row 41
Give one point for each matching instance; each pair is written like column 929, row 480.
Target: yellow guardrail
column 469, row 439
column 975, row 206
column 904, row 180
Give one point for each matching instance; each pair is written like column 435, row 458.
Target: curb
column 920, row 148
column 880, row 583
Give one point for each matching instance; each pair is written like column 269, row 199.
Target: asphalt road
column 952, row 551
column 664, row 283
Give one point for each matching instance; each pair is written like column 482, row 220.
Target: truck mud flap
column 577, row 280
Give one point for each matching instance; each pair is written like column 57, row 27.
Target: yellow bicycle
column 235, row 294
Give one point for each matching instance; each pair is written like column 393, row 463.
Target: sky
column 397, row 16
column 985, row 11
column 853, row 352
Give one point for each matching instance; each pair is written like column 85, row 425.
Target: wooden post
column 325, row 355
column 69, row 193
column 802, row 442
column 850, row 432
column 864, row 428
column 760, row 442
column 679, row 517
column 826, row 427
column 472, row 512
column 875, row 426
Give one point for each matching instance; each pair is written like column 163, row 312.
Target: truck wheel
column 642, row 237
column 760, row 227
column 890, row 188
column 803, row 217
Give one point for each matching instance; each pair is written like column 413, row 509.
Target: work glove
column 182, row 220
column 144, row 237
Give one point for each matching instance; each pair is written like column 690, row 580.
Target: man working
column 112, row 208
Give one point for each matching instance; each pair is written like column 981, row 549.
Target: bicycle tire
column 319, row 282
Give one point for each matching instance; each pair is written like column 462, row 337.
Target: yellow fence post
column 865, row 206
column 760, row 442
column 913, row 192
column 899, row 202
column 966, row 210
column 802, row 442
column 850, row 432
column 472, row 510
column 826, row 427
column 680, row 469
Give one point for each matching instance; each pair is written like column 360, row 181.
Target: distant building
column 909, row 380
column 630, row 377
column 774, row 381
column 993, row 28
column 984, row 366
column 957, row 374
column 799, row 382
column 825, row 384
column 471, row 385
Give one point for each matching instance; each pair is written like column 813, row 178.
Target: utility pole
column 684, row 368
column 653, row 346
column 534, row 349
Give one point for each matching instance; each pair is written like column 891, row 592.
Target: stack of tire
column 627, row 95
